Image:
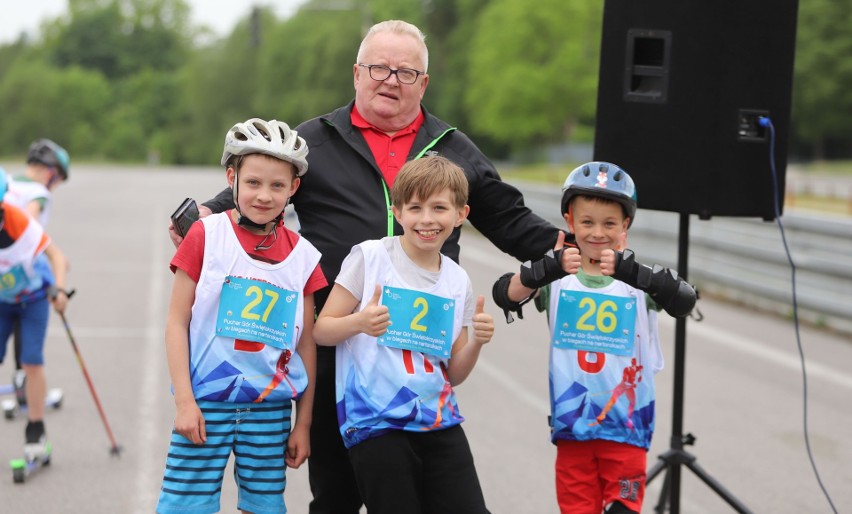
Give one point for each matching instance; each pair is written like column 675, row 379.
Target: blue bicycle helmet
column 602, row 179
column 45, row 151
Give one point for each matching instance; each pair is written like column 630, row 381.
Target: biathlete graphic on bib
column 244, row 333
column 603, row 356
column 420, row 322
column 257, row 311
column 399, row 381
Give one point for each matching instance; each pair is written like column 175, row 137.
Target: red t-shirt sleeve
column 316, row 281
column 190, row 254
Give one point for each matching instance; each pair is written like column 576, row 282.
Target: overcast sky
column 219, row 15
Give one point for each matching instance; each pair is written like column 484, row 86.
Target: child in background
column 604, row 348
column 238, row 333
column 32, row 275
column 399, row 314
column 48, row 165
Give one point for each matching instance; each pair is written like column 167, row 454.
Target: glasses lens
column 379, row 72
column 406, row 75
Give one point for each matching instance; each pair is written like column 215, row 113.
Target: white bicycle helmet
column 271, row 137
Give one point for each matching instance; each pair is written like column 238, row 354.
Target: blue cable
column 764, row 121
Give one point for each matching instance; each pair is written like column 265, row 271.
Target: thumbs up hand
column 374, row 319
column 569, row 259
column 483, row 323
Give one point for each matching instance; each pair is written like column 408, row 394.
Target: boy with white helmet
column 604, row 344
column 238, row 333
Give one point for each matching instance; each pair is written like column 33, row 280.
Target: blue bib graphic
column 595, row 322
column 14, row 281
column 257, row 311
column 420, row 321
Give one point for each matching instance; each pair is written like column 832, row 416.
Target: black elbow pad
column 671, row 292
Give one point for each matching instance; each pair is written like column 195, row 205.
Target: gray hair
column 396, row 27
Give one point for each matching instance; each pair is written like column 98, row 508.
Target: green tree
column 822, row 86
column 67, row 105
column 306, row 65
column 533, row 70
column 120, row 37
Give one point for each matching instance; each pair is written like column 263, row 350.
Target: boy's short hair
column 236, row 162
column 601, row 199
column 426, row 176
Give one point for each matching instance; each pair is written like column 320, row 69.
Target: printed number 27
column 258, row 297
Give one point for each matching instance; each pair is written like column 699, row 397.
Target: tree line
column 133, row 80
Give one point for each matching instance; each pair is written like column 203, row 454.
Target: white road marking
column 149, row 472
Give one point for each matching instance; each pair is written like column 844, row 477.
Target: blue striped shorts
column 257, row 435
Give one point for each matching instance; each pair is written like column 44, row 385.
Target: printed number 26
column 605, row 319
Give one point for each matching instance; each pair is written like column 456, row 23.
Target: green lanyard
column 385, row 185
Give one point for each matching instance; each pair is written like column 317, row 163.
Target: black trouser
column 329, row 471
column 418, row 473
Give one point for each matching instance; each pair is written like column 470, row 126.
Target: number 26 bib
column 595, row 322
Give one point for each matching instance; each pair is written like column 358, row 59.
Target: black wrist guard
column 500, row 294
column 671, row 292
column 538, row 273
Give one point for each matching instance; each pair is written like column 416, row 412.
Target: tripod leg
column 717, row 487
column 662, row 502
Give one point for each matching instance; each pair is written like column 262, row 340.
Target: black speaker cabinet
column 683, row 84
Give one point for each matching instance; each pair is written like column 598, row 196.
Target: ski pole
column 115, row 450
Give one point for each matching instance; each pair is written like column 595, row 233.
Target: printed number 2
column 415, row 323
column 258, row 297
column 407, row 358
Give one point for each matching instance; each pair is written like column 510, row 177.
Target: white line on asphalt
column 147, row 475
column 745, row 345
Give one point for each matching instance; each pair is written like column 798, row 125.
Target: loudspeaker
column 682, row 86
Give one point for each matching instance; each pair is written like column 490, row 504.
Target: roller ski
column 35, row 457
column 13, row 406
column 37, row 453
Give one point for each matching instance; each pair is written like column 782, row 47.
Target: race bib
column 594, row 322
column 420, row 322
column 13, row 281
column 257, row 311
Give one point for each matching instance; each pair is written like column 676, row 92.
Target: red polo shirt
column 390, row 152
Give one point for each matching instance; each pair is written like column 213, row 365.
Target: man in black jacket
column 355, row 152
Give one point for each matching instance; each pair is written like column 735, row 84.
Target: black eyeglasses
column 381, row 73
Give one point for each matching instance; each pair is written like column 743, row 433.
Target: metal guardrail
column 743, row 259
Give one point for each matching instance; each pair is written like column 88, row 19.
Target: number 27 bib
column 595, row 322
column 257, row 311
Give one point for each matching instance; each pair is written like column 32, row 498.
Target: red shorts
column 593, row 474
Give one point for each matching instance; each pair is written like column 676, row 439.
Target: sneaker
column 40, row 449
column 37, row 446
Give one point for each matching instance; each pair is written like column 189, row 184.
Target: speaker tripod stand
column 675, row 457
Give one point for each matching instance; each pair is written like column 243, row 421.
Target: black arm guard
column 538, row 273
column 500, row 294
column 671, row 292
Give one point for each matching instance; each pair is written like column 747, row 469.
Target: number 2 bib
column 420, row 321
column 595, row 322
column 257, row 311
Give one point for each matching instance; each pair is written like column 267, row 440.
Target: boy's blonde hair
column 426, row 176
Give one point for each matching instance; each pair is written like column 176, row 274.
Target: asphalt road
column 743, row 380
